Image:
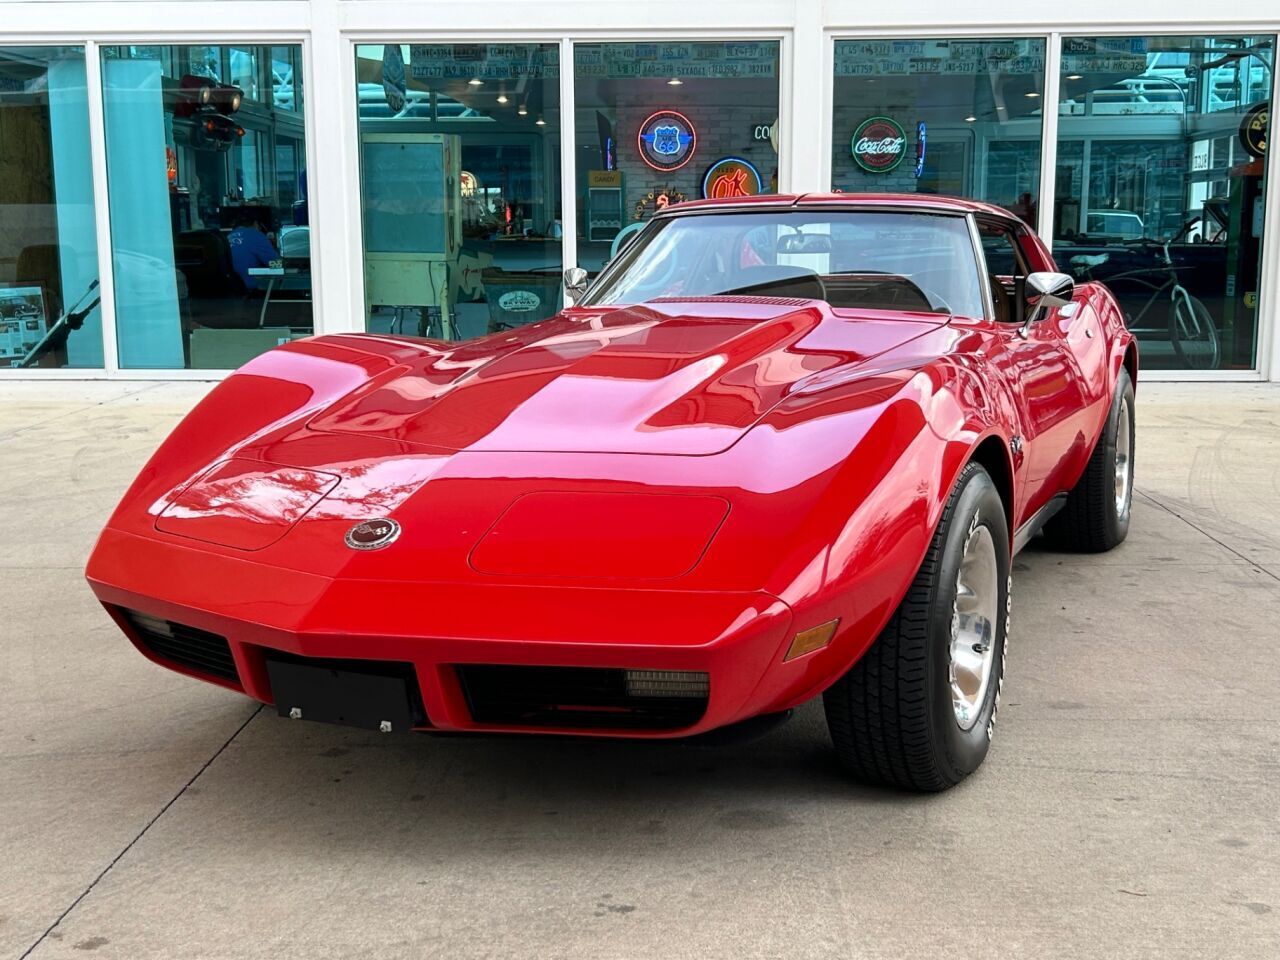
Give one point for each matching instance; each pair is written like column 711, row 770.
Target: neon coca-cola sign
column 879, row 144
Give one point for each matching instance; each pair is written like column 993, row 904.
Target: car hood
column 686, row 377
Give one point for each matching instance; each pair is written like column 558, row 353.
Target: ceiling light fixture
column 1032, row 95
column 970, row 119
column 502, row 98
column 1074, row 76
column 539, row 122
column 675, row 82
column 522, row 110
column 474, row 82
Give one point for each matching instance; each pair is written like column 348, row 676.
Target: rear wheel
column 1096, row 515
column 916, row 711
column 1194, row 336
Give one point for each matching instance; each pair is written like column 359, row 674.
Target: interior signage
column 765, row 133
column 903, row 58
column 519, row 301
column 731, row 177
column 666, row 140
column 1253, row 129
column 879, row 144
column 657, row 200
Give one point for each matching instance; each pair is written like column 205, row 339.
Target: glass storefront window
column 49, row 314
column 284, row 62
column 661, row 122
column 211, row 249
column 244, row 71
column 460, row 186
column 1160, row 187
column 958, row 117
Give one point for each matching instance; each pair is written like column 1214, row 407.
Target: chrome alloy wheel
column 973, row 626
column 1124, row 458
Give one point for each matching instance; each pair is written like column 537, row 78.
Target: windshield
column 914, row 262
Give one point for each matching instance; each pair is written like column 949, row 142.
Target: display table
column 286, row 277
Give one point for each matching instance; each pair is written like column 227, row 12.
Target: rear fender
column 1121, row 354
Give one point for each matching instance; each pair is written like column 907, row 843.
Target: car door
column 1037, row 361
column 1083, row 337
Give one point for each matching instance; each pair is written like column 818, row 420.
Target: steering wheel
column 900, row 292
column 937, row 302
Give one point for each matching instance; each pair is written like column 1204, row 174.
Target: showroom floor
column 1128, row 807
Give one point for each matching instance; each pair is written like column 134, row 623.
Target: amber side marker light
column 815, row 638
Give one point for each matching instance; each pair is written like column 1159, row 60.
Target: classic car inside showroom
column 584, row 478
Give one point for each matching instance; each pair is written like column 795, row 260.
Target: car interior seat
column 1002, row 301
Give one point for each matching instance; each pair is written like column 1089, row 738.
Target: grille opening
column 188, row 647
column 584, row 697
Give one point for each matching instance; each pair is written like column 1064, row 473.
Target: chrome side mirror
column 1044, row 290
column 1048, row 290
column 575, row 283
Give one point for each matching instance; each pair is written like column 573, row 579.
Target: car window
column 1004, row 258
column 1006, row 268
column 900, row 261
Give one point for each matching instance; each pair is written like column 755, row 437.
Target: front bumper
column 737, row 638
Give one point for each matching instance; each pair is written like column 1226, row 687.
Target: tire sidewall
column 960, row 751
column 1121, row 405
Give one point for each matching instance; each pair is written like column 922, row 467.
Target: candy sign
column 878, row 145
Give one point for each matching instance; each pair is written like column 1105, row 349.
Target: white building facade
column 185, row 183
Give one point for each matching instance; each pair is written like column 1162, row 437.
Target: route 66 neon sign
column 666, row 140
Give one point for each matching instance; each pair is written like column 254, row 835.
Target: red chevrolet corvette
column 779, row 448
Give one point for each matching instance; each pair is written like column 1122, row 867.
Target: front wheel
column 916, row 711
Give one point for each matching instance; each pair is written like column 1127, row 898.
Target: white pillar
column 806, row 104
column 333, row 182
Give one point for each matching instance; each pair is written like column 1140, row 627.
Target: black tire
column 1092, row 521
column 1195, row 338
column 891, row 716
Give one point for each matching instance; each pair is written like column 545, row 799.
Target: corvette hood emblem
column 373, row 534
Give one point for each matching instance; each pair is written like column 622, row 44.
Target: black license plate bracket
column 352, row 698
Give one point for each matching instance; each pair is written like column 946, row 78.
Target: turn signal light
column 815, row 638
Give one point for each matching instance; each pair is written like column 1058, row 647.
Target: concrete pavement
column 1128, row 807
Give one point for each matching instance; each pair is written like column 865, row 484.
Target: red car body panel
column 680, row 485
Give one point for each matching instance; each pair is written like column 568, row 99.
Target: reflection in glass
column 49, row 314
column 208, row 204
column 663, row 122
column 460, row 186
column 956, row 117
column 283, row 64
column 1160, row 187
column 851, row 259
